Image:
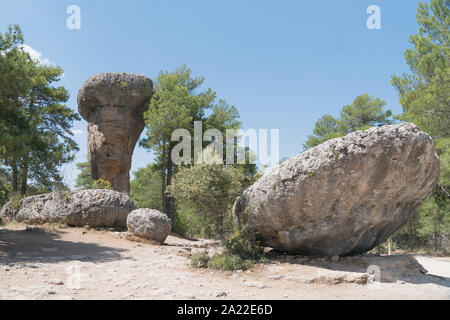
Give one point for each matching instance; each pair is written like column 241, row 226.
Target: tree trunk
column 411, row 235
column 163, row 175
column 15, row 177
column 170, row 200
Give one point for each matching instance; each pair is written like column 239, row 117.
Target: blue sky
column 282, row 64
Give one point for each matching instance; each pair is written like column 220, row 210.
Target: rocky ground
column 74, row 263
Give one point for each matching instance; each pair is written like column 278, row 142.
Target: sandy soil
column 73, row 263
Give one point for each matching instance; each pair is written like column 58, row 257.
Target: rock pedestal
column 113, row 104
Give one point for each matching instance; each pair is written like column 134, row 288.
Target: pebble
column 56, row 282
column 219, row 294
column 256, row 284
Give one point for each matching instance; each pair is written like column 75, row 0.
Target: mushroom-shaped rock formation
column 113, row 104
column 344, row 196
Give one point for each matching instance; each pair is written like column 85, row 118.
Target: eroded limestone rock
column 344, row 196
column 93, row 208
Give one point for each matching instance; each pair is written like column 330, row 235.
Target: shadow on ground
column 39, row 245
column 392, row 268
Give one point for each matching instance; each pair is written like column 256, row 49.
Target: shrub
column 211, row 190
column 226, row 260
column 15, row 200
column 102, row 184
column 200, row 259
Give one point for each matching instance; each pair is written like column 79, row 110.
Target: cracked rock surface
column 93, row 208
column 344, row 196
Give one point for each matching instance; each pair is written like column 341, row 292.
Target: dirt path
column 72, row 263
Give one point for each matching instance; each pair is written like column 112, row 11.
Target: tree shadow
column 41, row 246
column 394, row 268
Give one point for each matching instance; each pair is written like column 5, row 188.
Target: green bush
column 102, row 184
column 226, row 260
column 211, row 191
column 200, row 259
column 15, row 200
column 191, row 225
column 230, row 261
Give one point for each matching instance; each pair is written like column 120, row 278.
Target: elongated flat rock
column 344, row 196
column 93, row 208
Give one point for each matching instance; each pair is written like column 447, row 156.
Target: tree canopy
column 365, row 112
column 35, row 124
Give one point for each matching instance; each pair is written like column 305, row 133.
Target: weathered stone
column 149, row 224
column 113, row 104
column 344, row 196
column 93, row 208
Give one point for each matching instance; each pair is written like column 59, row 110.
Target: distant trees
column 211, row 190
column 177, row 102
column 84, row 179
column 35, row 135
column 425, row 98
column 145, row 188
column 365, row 112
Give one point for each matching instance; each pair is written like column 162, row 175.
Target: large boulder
column 113, row 104
column 149, row 224
column 344, row 196
column 93, row 208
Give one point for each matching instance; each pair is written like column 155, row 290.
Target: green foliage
column 425, row 98
column 425, row 93
column 200, row 259
column 101, row 184
column 84, row 179
column 123, row 85
column 326, row 128
column 35, row 136
column 5, row 187
column 238, row 256
column 177, row 103
column 365, row 112
column 145, row 188
column 226, row 260
column 190, row 224
column 211, row 190
column 15, row 200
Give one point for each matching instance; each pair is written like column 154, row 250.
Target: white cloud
column 36, row 55
column 77, row 131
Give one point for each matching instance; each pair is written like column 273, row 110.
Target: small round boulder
column 149, row 224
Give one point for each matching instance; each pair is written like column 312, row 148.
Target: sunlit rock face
column 93, row 208
column 113, row 104
column 344, row 196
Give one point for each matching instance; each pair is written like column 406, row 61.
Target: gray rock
column 93, row 208
column 113, row 104
column 149, row 224
column 344, row 196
